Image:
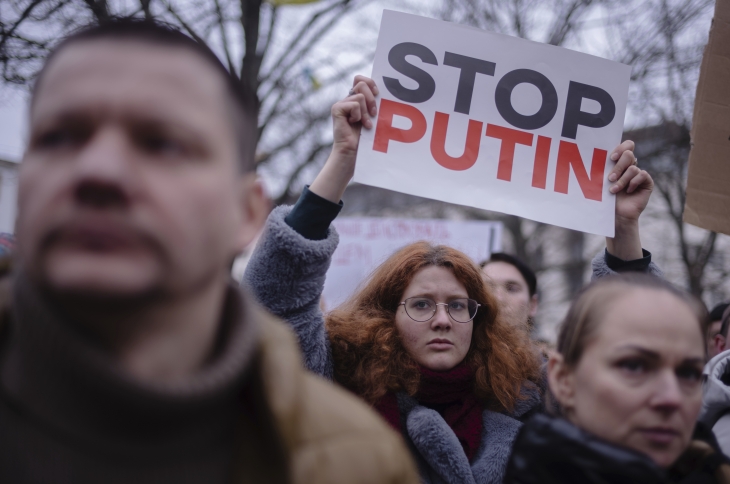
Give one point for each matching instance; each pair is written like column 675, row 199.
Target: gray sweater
column 286, row 274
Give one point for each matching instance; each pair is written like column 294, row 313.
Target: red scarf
column 451, row 394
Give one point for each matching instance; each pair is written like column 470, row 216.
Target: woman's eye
column 513, row 288
column 421, row 304
column 632, row 366
column 689, row 374
column 456, row 305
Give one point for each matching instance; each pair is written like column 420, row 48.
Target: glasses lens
column 463, row 310
column 420, row 308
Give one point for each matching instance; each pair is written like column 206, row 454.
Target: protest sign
column 366, row 242
column 494, row 122
column 708, row 179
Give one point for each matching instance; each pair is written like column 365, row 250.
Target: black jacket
column 550, row 450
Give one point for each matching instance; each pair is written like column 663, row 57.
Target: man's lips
column 99, row 235
column 659, row 435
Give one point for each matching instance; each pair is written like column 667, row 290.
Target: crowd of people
column 127, row 354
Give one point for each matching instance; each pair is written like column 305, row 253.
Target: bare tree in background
column 662, row 40
column 284, row 74
column 665, row 49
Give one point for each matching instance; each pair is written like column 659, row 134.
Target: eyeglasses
column 421, row 309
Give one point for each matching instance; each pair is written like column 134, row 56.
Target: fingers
column 364, row 89
column 369, row 82
column 642, row 180
column 626, row 160
column 363, row 93
column 350, row 109
column 618, row 151
column 628, row 175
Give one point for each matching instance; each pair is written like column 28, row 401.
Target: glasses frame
column 403, row 303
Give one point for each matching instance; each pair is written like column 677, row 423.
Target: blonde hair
column 589, row 307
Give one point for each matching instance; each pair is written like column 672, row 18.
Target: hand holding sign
column 633, row 188
column 632, row 185
column 348, row 118
column 494, row 122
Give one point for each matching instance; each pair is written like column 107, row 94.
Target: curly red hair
column 370, row 359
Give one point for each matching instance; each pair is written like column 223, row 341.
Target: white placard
column 494, row 122
column 366, row 242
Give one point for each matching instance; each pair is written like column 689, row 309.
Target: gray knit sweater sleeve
column 286, row 274
column 601, row 269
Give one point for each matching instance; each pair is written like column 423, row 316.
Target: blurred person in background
column 627, row 379
column 423, row 341
column 126, row 354
column 716, row 345
column 515, row 286
column 515, row 283
column 715, row 411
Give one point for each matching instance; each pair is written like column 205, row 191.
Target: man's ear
column 533, row 305
column 561, row 380
column 720, row 343
column 255, row 207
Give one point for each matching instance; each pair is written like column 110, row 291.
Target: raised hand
column 633, row 187
column 349, row 116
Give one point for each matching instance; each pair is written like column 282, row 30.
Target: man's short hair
column 725, row 321
column 159, row 33
column 717, row 312
column 527, row 273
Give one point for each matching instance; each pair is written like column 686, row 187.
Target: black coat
column 550, row 450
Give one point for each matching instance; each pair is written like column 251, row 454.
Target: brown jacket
column 330, row 436
column 69, row 414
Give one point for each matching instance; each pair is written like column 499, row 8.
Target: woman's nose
column 667, row 392
column 441, row 319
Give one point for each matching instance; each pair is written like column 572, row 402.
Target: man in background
column 515, row 286
column 126, row 354
column 716, row 345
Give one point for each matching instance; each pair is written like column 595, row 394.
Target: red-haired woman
column 423, row 340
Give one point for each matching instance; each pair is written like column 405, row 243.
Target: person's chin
column 441, row 362
column 662, row 455
column 98, row 275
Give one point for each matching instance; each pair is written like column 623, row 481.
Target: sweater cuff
column 312, row 215
column 620, row 265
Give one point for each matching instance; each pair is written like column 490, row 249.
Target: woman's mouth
column 660, row 435
column 440, row 344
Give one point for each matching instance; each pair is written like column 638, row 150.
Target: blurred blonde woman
column 627, row 380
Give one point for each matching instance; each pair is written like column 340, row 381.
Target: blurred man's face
column 713, row 329
column 130, row 185
column 512, row 291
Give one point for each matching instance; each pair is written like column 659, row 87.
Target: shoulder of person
column 703, row 460
column 6, row 292
column 332, row 435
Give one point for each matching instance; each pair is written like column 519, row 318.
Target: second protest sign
column 494, row 122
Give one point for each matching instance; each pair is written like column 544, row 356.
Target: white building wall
column 8, row 195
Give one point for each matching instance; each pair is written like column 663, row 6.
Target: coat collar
column 439, row 454
column 65, row 382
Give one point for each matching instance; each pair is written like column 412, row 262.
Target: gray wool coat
column 286, row 274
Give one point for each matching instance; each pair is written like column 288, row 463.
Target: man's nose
column 103, row 170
